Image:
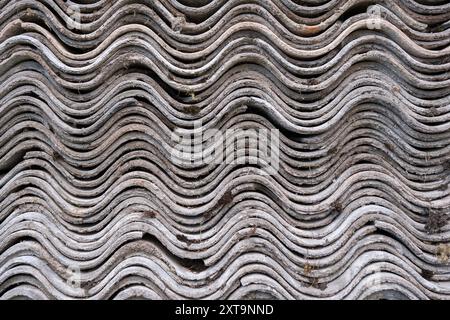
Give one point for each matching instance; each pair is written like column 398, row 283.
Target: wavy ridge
column 96, row 202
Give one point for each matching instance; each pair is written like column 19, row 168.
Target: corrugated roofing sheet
column 220, row 149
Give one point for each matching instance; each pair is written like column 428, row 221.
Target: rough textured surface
column 96, row 204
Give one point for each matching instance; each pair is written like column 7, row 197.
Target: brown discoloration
column 336, row 207
column 183, row 238
column 88, row 285
column 389, row 146
column 312, row 82
column 322, row 286
column 226, row 198
column 29, row 13
column 251, row 233
column 443, row 253
column 333, row 151
column 55, row 155
column 192, row 95
column 311, row 30
column 193, row 110
column 150, row 214
column 427, row 274
column 396, row 89
column 435, row 222
column 313, row 281
column 316, row 284
column 208, row 215
column 308, row 268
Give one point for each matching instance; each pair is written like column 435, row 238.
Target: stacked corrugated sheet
column 107, row 109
